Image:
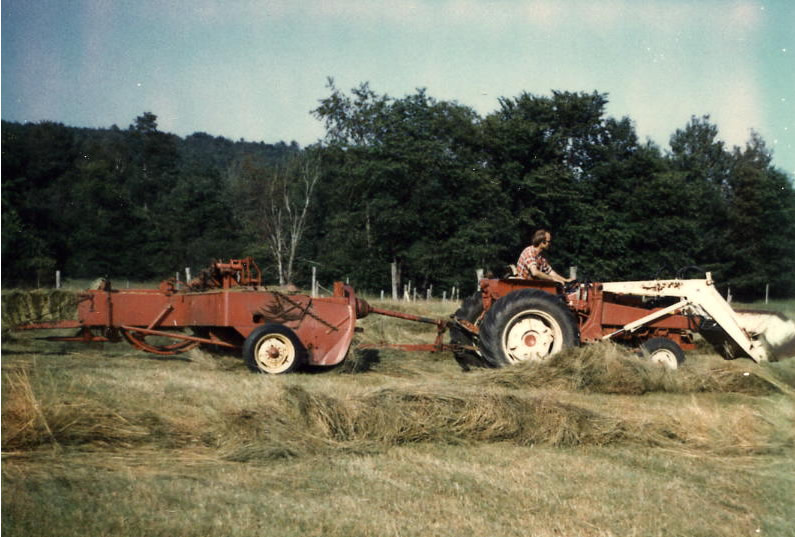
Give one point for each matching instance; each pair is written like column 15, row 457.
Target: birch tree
column 284, row 206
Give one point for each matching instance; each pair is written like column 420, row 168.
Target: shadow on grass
column 357, row 361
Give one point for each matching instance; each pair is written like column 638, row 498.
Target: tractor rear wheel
column 526, row 325
column 274, row 349
column 663, row 351
column 470, row 311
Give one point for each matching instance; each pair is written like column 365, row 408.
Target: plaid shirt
column 531, row 256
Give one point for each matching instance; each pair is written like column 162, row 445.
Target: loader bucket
column 774, row 328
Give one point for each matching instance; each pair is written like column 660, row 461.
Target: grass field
column 109, row 441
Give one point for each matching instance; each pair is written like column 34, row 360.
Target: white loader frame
column 698, row 297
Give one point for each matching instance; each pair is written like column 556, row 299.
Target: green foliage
column 407, row 181
column 116, row 203
column 426, row 184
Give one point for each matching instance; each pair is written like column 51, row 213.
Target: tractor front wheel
column 526, row 325
column 274, row 349
column 663, row 351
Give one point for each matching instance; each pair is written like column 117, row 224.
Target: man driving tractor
column 533, row 265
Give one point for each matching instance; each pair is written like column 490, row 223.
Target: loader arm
column 698, row 297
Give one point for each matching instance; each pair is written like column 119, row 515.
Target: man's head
column 541, row 239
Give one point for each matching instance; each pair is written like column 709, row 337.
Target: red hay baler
column 507, row 321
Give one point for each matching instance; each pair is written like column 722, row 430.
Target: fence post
column 187, row 274
column 573, row 273
column 314, row 281
column 767, row 292
column 57, row 279
column 394, row 282
column 479, row 273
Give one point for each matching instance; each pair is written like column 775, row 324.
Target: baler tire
column 471, row 310
column 663, row 351
column 273, row 349
column 526, row 325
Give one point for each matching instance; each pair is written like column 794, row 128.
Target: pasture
column 105, row 440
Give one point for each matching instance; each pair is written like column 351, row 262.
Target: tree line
column 427, row 185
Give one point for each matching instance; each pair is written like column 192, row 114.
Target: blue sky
column 255, row 69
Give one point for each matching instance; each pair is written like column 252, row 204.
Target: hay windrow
column 41, row 305
column 295, row 421
column 611, row 369
column 301, row 423
column 32, row 419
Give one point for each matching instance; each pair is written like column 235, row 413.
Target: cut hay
column 293, row 421
column 300, row 423
column 611, row 369
column 31, row 419
column 42, row 305
column 303, row 423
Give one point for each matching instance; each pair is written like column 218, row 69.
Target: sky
column 254, row 69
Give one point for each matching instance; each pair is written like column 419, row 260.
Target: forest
column 425, row 184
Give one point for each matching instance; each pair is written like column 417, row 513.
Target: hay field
column 104, row 440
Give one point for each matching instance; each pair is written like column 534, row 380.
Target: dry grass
column 595, row 442
column 608, row 368
column 33, row 419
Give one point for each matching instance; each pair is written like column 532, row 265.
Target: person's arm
column 554, row 276
column 538, row 274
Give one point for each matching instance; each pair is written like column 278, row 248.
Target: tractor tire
column 471, row 309
column 663, row 351
column 526, row 325
column 273, row 349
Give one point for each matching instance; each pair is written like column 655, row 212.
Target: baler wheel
column 663, row 351
column 138, row 340
column 526, row 325
column 274, row 349
column 471, row 310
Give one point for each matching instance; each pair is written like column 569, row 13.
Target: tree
column 545, row 152
column 37, row 163
column 276, row 203
column 704, row 165
column 409, row 187
column 761, row 223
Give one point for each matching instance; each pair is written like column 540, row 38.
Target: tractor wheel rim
column 532, row 336
column 665, row 358
column 274, row 353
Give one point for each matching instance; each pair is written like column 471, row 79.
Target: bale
column 41, row 305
